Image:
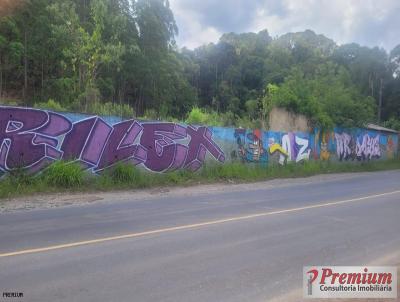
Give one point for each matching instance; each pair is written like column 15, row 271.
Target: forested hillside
column 120, row 57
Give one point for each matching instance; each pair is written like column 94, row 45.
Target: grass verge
column 69, row 177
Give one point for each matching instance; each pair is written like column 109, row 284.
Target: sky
column 366, row 22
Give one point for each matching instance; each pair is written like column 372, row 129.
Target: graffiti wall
column 356, row 145
column 33, row 139
column 343, row 145
column 267, row 146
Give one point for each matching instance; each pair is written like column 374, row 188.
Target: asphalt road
column 225, row 245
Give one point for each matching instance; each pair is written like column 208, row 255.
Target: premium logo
column 350, row 282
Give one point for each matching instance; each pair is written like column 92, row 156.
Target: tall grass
column 125, row 174
column 66, row 176
column 50, row 105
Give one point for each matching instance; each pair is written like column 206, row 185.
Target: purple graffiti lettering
column 32, row 139
column 86, row 141
column 29, row 138
column 163, row 152
column 201, row 142
column 121, row 147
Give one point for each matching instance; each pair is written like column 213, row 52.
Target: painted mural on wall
column 284, row 147
column 250, row 146
column 341, row 145
column 355, row 145
column 33, row 139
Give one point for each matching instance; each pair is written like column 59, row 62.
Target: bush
column 150, row 114
column 50, row 105
column 126, row 174
column 64, row 174
column 197, row 117
column 252, row 108
column 108, row 108
column 9, row 102
column 227, row 119
column 392, row 123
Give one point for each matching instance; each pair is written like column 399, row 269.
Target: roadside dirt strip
column 46, row 201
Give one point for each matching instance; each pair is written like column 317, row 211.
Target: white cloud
column 191, row 32
column 368, row 22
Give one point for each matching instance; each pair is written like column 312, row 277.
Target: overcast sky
column 367, row 22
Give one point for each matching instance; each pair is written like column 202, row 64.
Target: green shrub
column 9, row 102
column 392, row 123
column 124, row 173
column 252, row 108
column 64, row 175
column 197, row 116
column 108, row 108
column 50, row 105
column 150, row 114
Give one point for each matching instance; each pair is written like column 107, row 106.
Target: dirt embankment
column 7, row 7
column 282, row 120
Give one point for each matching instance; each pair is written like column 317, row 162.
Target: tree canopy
column 120, row 57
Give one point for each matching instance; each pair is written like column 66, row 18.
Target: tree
column 101, row 55
column 327, row 98
column 157, row 30
column 11, row 49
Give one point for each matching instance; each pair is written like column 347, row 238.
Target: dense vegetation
column 120, row 57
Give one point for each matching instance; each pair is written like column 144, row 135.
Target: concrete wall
column 33, row 139
column 282, row 120
column 282, row 147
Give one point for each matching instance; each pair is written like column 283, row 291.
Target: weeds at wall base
column 69, row 177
